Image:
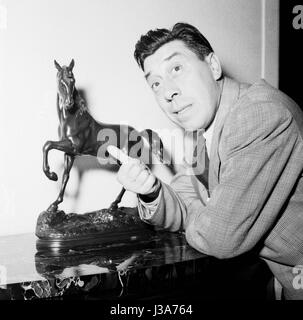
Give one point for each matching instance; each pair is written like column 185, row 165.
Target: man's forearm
column 169, row 209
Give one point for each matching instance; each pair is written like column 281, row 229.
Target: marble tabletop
column 21, row 263
column 156, row 262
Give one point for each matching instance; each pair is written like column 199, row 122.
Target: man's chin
column 186, row 125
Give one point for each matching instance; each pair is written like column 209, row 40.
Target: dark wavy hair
column 154, row 39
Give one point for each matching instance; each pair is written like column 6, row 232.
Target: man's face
column 184, row 86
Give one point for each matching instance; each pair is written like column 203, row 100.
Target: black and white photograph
column 151, row 153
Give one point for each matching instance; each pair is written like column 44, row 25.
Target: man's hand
column 134, row 175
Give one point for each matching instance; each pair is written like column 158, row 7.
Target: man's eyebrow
column 166, row 59
column 172, row 55
column 147, row 75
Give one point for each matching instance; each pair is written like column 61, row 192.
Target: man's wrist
column 152, row 195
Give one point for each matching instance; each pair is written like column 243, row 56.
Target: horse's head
column 66, row 84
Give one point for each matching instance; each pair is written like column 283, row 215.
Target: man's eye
column 177, row 69
column 155, row 86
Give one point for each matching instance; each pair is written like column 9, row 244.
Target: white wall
column 100, row 36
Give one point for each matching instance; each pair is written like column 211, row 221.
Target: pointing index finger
column 118, row 154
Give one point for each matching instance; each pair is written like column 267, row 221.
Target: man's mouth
column 184, row 109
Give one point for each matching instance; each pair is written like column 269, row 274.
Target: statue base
column 58, row 231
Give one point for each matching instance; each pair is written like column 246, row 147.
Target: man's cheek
column 164, row 105
column 160, row 99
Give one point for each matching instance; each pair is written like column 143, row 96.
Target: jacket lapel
column 229, row 96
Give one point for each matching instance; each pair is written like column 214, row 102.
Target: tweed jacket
column 255, row 185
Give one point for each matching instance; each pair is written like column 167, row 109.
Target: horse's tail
column 157, row 147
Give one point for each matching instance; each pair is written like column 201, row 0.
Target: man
column 252, row 197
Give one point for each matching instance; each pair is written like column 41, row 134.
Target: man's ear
column 215, row 65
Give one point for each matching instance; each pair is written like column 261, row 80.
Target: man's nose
column 172, row 91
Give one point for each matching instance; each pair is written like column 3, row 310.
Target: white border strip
column 263, row 38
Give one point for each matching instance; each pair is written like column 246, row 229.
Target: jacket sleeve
column 254, row 150
column 175, row 202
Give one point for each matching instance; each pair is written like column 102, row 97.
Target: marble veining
column 158, row 265
column 33, row 274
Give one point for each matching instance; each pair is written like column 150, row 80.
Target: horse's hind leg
column 114, row 205
column 68, row 163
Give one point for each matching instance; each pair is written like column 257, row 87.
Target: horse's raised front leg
column 64, row 145
column 68, row 163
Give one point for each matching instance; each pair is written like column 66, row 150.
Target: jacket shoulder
column 262, row 92
column 263, row 97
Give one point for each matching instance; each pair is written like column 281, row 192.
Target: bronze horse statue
column 79, row 134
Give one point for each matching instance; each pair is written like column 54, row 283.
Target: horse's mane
column 80, row 102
